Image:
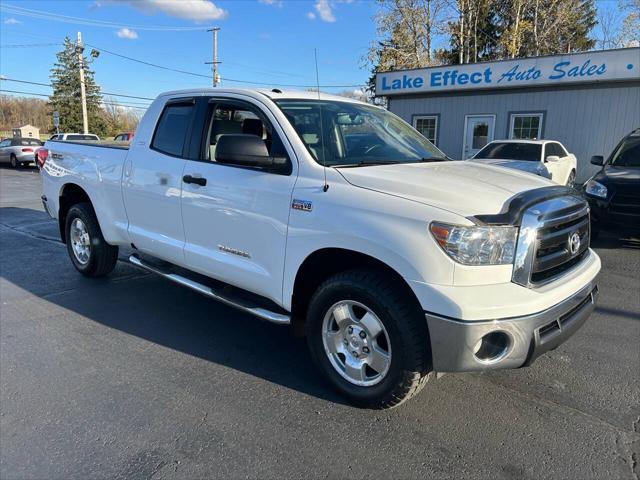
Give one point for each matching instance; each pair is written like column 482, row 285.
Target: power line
column 49, row 85
column 234, row 80
column 30, row 45
column 209, row 77
column 117, row 104
column 32, row 13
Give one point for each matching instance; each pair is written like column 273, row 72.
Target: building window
column 526, row 126
column 427, row 125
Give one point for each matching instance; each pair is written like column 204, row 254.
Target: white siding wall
column 587, row 120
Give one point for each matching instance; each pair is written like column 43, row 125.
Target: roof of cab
column 274, row 94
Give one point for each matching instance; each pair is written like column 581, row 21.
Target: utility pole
column 83, row 93
column 215, row 55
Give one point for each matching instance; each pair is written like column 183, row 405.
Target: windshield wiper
column 367, row 164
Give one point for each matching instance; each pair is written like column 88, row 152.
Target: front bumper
column 454, row 342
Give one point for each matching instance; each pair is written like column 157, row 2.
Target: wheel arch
column 323, row 263
column 70, row 195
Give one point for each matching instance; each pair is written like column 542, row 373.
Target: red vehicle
column 123, row 137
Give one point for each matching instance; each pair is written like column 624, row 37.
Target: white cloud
column 12, row 21
column 128, row 34
column 277, row 3
column 311, row 15
column 324, row 11
column 195, row 10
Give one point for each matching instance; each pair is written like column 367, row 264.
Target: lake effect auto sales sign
column 607, row 65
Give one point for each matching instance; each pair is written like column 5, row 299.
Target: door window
column 526, row 126
column 480, row 135
column 236, row 118
column 171, row 132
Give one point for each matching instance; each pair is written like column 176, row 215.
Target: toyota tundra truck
column 338, row 218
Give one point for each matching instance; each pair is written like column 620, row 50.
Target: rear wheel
column 90, row 253
column 571, row 179
column 369, row 338
column 14, row 161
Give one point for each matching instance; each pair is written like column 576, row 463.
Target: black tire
column 403, row 319
column 14, row 161
column 102, row 257
column 571, row 180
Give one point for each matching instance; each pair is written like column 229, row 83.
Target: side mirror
column 597, row 160
column 552, row 158
column 246, row 150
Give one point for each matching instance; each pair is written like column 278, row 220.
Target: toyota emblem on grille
column 574, row 243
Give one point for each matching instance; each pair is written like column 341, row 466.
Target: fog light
column 492, row 347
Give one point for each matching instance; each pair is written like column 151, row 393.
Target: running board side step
column 260, row 312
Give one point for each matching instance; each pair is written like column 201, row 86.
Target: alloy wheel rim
column 356, row 343
column 80, row 241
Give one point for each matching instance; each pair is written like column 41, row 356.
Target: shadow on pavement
column 158, row 311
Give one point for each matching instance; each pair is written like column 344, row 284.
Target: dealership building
column 587, row 101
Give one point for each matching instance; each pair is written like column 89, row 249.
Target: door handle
column 197, row 180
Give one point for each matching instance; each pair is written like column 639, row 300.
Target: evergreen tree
column 66, row 99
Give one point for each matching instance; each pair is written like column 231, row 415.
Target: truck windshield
column 344, row 134
column 511, row 151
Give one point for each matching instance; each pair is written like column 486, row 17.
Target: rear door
column 152, row 183
column 236, row 224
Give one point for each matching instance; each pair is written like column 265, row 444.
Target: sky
column 267, row 41
column 270, row 41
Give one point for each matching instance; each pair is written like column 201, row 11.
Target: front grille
column 554, row 238
column 553, row 255
column 625, row 203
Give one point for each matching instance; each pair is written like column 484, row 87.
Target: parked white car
column 547, row 158
column 339, row 217
column 75, row 137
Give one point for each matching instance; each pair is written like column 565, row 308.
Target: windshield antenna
column 325, row 187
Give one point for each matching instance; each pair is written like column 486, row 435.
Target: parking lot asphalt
column 134, row 377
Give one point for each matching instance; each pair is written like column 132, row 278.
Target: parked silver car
column 18, row 151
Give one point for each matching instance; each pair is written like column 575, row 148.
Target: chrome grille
column 554, row 238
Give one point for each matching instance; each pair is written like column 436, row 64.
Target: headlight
column 476, row 245
column 595, row 189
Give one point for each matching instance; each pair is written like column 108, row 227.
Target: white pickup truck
column 337, row 216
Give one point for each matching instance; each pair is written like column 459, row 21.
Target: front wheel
column 369, row 338
column 571, row 180
column 90, row 253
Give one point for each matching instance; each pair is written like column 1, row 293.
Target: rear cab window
column 173, row 127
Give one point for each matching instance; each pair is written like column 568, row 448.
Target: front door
column 477, row 133
column 235, row 218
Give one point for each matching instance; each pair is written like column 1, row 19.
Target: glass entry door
column 478, row 132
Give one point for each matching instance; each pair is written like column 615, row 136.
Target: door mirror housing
column 244, row 150
column 552, row 159
column 597, row 160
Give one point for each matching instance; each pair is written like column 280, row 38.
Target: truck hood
column 465, row 188
column 526, row 166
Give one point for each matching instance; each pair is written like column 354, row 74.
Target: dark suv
column 614, row 192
